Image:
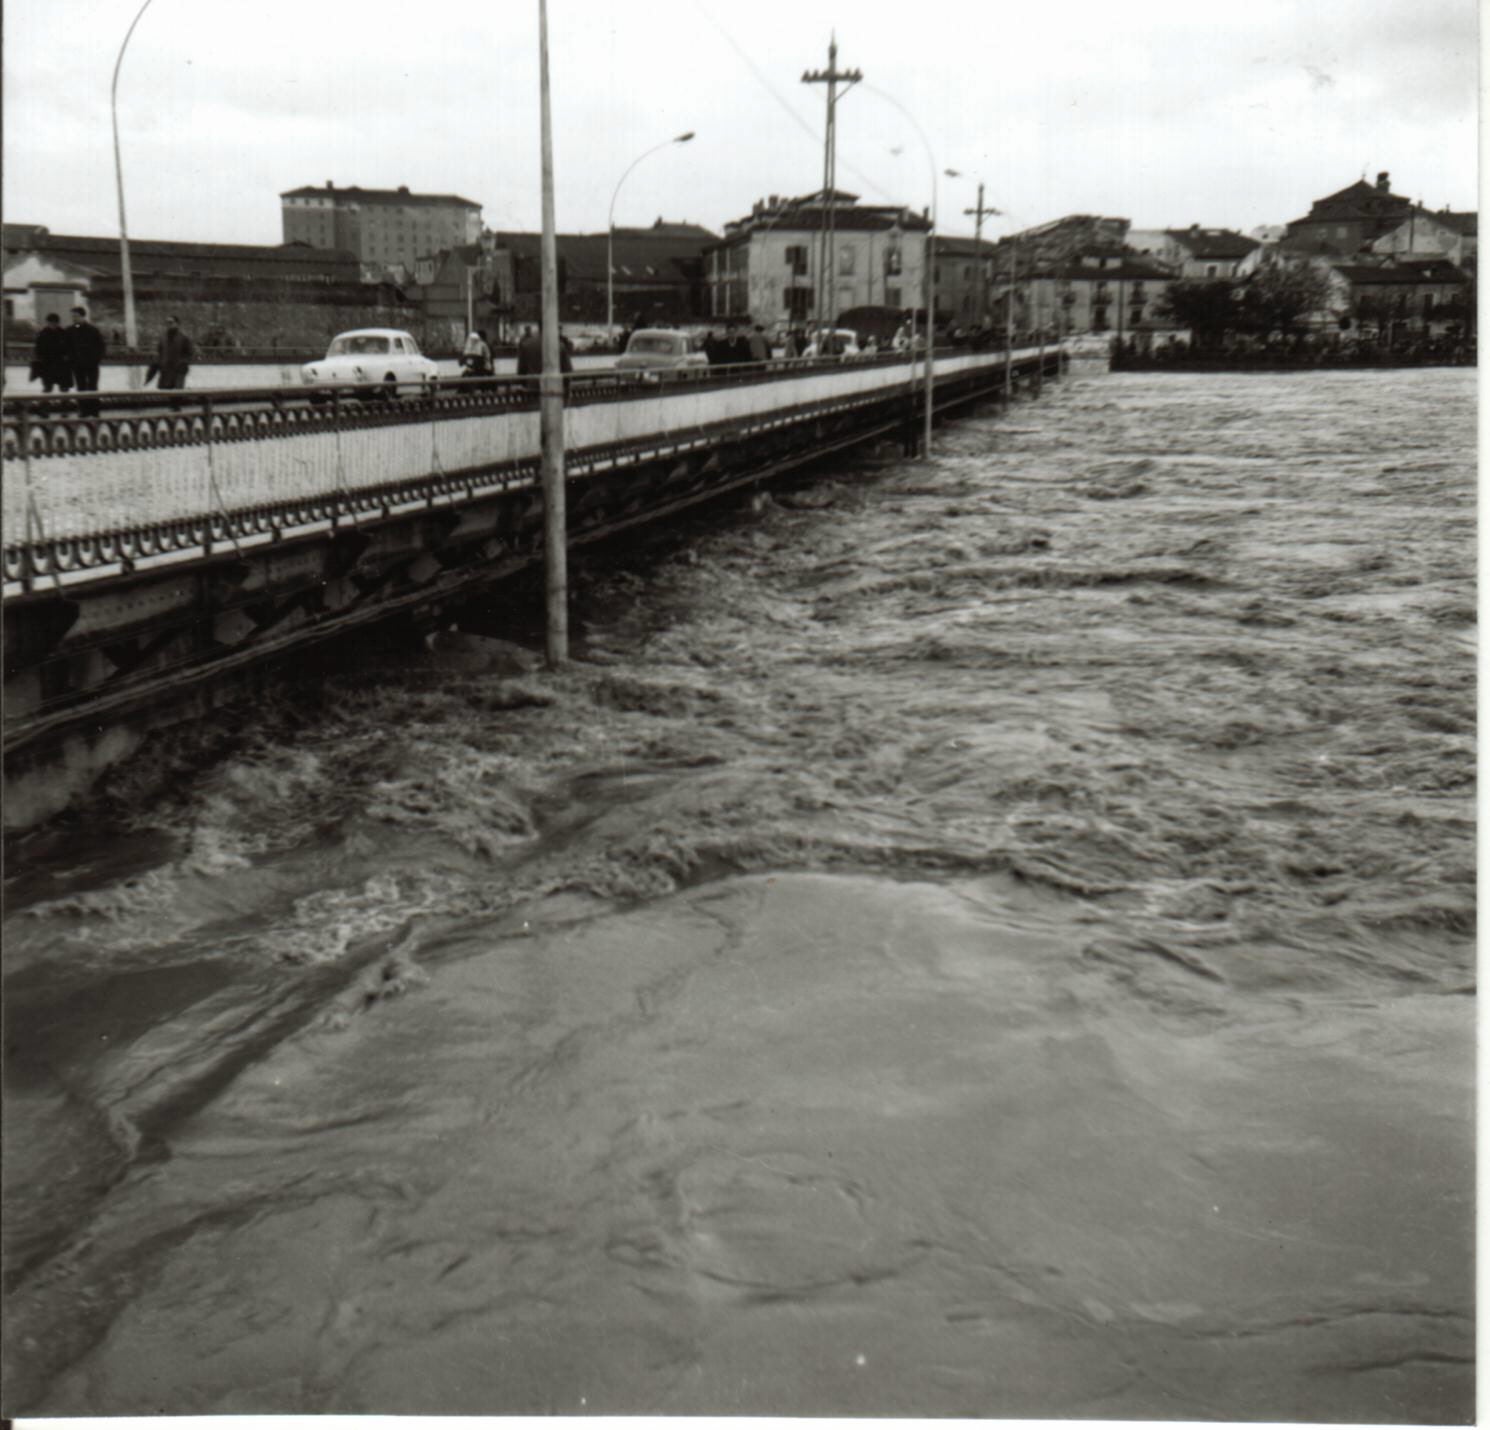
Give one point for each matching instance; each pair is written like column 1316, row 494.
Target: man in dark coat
column 173, row 358
column 49, row 361
column 85, row 349
column 530, row 353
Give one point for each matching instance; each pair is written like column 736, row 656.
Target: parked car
column 374, row 362
column 837, row 342
column 656, row 349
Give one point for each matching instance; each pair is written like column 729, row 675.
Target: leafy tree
column 1278, row 299
column 1208, row 308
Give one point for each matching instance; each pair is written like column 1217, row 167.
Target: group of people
column 68, row 359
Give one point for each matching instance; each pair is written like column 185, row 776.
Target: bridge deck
column 141, row 483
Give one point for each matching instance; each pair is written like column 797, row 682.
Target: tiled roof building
column 1347, row 221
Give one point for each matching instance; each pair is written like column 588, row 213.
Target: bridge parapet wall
column 229, row 453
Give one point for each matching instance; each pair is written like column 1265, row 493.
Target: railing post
column 28, row 552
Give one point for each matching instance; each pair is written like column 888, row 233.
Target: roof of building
column 149, row 255
column 950, row 247
column 1359, row 200
column 804, row 213
column 1213, row 242
column 663, row 258
column 1130, row 268
column 664, row 229
column 1432, row 270
column 1465, row 223
column 353, row 192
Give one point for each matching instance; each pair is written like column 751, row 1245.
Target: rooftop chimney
column 1383, row 182
column 329, row 184
column 403, row 188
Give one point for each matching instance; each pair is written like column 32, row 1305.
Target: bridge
column 161, row 549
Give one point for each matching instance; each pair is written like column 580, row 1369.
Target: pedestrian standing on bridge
column 760, row 345
column 476, row 355
column 49, row 359
column 85, row 349
column 529, row 353
column 172, row 358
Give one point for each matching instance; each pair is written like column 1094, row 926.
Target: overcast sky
column 1164, row 113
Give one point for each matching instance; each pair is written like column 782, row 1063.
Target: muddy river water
column 990, row 938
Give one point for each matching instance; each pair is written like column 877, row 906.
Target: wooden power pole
column 981, row 213
column 551, row 391
column 832, row 77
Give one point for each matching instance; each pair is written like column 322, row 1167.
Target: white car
column 376, row 361
column 654, row 349
column 842, row 342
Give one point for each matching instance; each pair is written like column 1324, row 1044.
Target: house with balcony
column 1102, row 291
column 771, row 265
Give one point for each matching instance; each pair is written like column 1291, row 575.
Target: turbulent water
column 990, row 937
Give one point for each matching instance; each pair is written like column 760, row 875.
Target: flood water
column 986, row 938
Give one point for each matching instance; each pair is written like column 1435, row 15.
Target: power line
column 804, row 125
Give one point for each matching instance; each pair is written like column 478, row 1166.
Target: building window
column 1099, row 318
column 846, row 260
column 796, row 260
column 1210, row 270
column 892, row 296
column 892, row 259
column 1137, row 313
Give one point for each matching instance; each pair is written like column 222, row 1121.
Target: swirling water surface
column 989, row 937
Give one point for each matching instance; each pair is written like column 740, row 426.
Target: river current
column 987, row 937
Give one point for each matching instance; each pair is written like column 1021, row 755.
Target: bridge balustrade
column 157, row 474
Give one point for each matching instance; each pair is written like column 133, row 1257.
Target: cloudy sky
column 1164, row 113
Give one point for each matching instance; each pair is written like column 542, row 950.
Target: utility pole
column 1009, row 325
column 551, row 391
column 981, row 213
column 832, row 77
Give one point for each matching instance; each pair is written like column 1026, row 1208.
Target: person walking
column 529, row 353
column 760, row 345
column 476, row 355
column 172, row 358
column 49, row 362
column 85, row 350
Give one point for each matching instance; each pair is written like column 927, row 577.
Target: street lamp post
column 610, row 228
column 131, row 333
column 551, row 389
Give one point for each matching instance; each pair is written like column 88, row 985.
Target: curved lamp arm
column 676, row 139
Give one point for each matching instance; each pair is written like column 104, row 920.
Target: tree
column 1208, row 308
column 1279, row 299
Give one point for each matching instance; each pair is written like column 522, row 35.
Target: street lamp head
column 683, row 138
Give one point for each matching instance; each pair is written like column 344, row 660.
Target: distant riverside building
column 768, row 265
column 388, row 229
column 1425, row 234
column 1105, row 290
column 281, row 294
column 964, row 279
column 658, row 275
column 1198, row 253
column 1346, row 222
